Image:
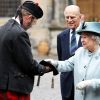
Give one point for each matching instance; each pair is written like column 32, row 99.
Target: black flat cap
column 33, row 8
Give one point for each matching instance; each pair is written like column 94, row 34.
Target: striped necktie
column 73, row 45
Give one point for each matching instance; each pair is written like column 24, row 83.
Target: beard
column 26, row 27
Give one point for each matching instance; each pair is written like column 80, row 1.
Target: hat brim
column 89, row 31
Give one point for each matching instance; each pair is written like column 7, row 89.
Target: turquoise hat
column 93, row 27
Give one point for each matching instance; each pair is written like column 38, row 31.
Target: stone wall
column 47, row 28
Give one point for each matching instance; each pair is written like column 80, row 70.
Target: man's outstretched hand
column 49, row 67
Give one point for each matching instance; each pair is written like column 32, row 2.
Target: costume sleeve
column 23, row 56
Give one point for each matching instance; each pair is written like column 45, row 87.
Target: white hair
column 96, row 38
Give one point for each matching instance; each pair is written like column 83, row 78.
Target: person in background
column 73, row 17
column 85, row 63
column 17, row 66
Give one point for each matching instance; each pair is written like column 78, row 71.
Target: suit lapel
column 65, row 41
column 79, row 43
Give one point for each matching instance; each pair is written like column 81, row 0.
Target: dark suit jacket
column 17, row 66
column 63, row 54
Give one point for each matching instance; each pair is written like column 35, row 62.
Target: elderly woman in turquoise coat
column 85, row 63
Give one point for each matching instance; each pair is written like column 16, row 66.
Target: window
column 8, row 7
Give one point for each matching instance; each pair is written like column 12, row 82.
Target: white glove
column 53, row 62
column 83, row 84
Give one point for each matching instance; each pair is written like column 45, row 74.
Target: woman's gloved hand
column 53, row 62
column 83, row 84
column 50, row 65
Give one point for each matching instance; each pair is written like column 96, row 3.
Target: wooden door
column 96, row 10
column 90, row 8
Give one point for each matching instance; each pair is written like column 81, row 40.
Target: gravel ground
column 44, row 91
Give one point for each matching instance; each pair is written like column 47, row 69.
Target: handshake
column 49, row 66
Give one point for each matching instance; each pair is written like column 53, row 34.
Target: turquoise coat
column 86, row 66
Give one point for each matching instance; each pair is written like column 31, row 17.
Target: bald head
column 73, row 9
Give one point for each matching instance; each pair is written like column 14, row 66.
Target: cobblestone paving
column 44, row 90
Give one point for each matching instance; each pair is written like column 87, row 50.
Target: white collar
column 16, row 19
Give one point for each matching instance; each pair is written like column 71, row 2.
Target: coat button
column 82, row 92
column 83, row 79
column 85, row 66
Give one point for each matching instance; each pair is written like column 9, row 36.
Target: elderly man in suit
column 73, row 19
